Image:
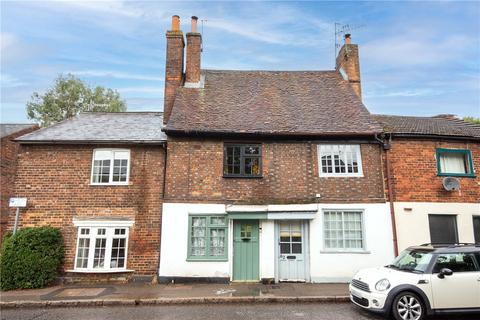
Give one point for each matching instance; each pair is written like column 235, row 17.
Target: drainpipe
column 157, row 272
column 386, row 147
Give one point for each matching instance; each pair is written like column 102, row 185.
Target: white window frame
column 355, row 147
column 109, row 226
column 345, row 250
column 112, row 158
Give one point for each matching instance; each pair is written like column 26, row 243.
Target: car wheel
column 408, row 306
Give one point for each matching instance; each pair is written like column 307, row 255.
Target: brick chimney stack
column 173, row 67
column 194, row 50
column 348, row 64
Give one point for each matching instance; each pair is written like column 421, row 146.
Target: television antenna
column 202, row 22
column 340, row 31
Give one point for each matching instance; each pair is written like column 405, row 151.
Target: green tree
column 70, row 96
column 472, row 120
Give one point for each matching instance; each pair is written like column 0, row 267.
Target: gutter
column 270, row 135
column 390, row 189
column 78, row 142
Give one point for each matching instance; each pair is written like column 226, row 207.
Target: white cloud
column 115, row 75
column 8, row 81
column 414, row 48
column 149, row 90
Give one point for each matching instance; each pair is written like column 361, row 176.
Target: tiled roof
column 442, row 125
column 298, row 103
column 7, row 129
column 98, row 127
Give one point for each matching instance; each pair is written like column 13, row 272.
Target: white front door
column 459, row 290
column 292, row 257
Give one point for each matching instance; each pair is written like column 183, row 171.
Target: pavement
column 165, row 294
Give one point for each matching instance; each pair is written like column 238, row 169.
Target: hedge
column 31, row 258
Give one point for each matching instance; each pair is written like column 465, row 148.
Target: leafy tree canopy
column 70, row 96
column 472, row 120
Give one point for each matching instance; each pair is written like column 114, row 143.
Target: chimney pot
column 194, row 24
column 347, row 38
column 175, row 23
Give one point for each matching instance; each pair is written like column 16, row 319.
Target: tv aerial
column 340, row 31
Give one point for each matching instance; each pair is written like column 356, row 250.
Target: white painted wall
column 174, row 244
column 340, row 267
column 324, row 266
column 267, row 249
column 412, row 220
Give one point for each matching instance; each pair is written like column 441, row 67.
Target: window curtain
column 452, row 163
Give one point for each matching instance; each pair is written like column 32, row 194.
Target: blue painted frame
column 468, row 155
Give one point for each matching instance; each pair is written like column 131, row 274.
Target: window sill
column 242, row 177
column 100, row 271
column 207, row 260
column 345, row 251
column 110, row 184
column 341, row 175
column 457, row 175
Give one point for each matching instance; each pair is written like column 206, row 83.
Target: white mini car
column 422, row 280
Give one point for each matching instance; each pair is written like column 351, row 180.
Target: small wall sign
column 18, row 202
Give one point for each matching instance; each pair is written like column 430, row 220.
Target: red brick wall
column 8, row 163
column 56, row 181
column 414, row 169
column 290, row 175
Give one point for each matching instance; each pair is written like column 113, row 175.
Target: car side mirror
column 444, row 272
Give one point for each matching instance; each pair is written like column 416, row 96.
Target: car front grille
column 360, row 301
column 360, row 285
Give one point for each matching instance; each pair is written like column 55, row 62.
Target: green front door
column 245, row 250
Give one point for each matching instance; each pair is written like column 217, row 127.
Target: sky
column 416, row 58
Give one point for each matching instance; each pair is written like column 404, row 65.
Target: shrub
column 31, row 258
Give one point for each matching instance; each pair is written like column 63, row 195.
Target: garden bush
column 31, row 258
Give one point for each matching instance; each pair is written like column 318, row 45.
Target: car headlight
column 382, row 285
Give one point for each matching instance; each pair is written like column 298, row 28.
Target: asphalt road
column 210, row 312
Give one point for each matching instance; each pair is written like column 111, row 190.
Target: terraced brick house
column 248, row 176
column 435, row 188
column 99, row 178
column 271, row 175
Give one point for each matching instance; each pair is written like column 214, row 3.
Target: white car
column 422, row 280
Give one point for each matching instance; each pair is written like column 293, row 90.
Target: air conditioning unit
column 451, row 184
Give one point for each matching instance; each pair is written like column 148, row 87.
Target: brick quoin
column 414, row 170
column 56, row 181
column 8, row 161
column 290, row 175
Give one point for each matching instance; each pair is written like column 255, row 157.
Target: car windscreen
column 412, row 261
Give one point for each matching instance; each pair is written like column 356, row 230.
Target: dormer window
column 242, row 160
column 454, row 162
column 110, row 166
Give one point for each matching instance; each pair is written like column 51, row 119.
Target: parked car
column 422, row 280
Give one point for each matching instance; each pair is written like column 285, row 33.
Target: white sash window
column 110, row 166
column 343, row 160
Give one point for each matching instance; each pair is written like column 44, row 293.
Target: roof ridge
column 270, row 71
column 118, row 112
